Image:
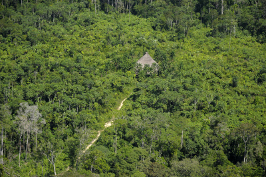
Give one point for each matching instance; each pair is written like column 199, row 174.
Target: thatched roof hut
column 146, row 60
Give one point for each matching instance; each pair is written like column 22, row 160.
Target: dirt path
column 107, row 124
column 121, row 104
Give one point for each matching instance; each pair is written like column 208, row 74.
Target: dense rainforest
column 65, row 66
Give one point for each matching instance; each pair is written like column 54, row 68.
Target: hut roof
column 146, row 60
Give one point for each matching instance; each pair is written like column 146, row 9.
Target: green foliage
column 1, row 170
column 96, row 162
column 262, row 75
column 138, row 174
column 189, row 167
column 201, row 114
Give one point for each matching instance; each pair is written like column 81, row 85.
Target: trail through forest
column 107, row 124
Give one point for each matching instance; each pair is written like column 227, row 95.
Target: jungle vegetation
column 65, row 66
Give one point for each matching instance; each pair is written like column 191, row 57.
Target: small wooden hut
column 146, row 60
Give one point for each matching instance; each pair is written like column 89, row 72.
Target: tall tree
column 246, row 131
column 5, row 113
column 28, row 117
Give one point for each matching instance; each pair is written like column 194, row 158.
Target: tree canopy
column 65, row 66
